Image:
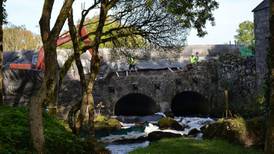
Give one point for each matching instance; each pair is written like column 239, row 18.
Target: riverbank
column 193, row 146
column 15, row 135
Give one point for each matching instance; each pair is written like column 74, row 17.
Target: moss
column 100, row 118
column 15, row 135
column 103, row 123
column 236, row 130
column 169, row 123
column 114, row 123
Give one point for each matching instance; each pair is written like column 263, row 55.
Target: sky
column 227, row 17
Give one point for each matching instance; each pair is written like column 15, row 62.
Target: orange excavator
column 38, row 59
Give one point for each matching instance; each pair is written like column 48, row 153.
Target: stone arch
column 135, row 104
column 190, row 103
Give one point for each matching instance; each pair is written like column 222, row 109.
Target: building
column 262, row 34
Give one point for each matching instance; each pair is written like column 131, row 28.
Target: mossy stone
column 169, row 123
column 237, row 130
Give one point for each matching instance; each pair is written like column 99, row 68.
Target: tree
column 19, row 38
column 2, row 21
column 269, row 144
column 126, row 42
column 48, row 88
column 245, row 34
column 163, row 23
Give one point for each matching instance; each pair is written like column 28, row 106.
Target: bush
column 15, row 135
column 237, row 130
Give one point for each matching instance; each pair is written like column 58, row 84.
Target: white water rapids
column 189, row 123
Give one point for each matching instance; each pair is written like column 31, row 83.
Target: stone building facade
column 262, row 34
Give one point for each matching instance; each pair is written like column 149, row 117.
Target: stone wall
column 238, row 76
column 208, row 78
column 262, row 34
column 169, row 53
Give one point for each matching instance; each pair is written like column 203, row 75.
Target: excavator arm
column 39, row 58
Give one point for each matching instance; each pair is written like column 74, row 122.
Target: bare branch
column 45, row 19
column 61, row 18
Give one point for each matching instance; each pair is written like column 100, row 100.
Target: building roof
column 263, row 5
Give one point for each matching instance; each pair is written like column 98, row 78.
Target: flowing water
column 131, row 132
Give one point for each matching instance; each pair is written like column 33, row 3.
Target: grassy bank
column 191, row 146
column 15, row 135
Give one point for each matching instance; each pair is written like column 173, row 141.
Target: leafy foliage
column 245, row 34
column 163, row 22
column 3, row 12
column 127, row 42
column 139, row 23
column 19, row 38
column 193, row 13
column 15, row 135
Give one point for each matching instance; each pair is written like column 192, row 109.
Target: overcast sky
column 227, row 17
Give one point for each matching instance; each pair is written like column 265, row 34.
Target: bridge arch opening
column 135, row 104
column 190, row 103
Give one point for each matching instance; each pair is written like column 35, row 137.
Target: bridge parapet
column 207, row 78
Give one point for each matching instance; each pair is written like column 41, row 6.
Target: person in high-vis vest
column 194, row 59
column 131, row 63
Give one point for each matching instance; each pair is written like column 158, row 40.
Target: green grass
column 191, row 146
column 15, row 135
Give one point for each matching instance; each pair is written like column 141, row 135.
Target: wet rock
column 129, row 141
column 106, row 124
column 169, row 114
column 193, row 132
column 157, row 135
column 169, row 123
column 114, row 124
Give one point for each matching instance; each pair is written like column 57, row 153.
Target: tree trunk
column 1, row 52
column 84, row 104
column 86, row 116
column 269, row 144
column 51, row 77
column 36, row 119
column 88, row 106
column 95, row 66
column 48, row 90
column 85, row 121
column 45, row 93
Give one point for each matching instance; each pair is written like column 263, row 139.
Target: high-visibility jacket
column 194, row 59
column 131, row 61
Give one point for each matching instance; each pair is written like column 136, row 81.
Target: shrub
column 15, row 135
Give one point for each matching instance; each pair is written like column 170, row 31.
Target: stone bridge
column 192, row 90
column 185, row 90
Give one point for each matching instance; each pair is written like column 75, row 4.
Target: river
column 132, row 135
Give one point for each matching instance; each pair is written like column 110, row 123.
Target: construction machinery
column 37, row 62
column 23, row 70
